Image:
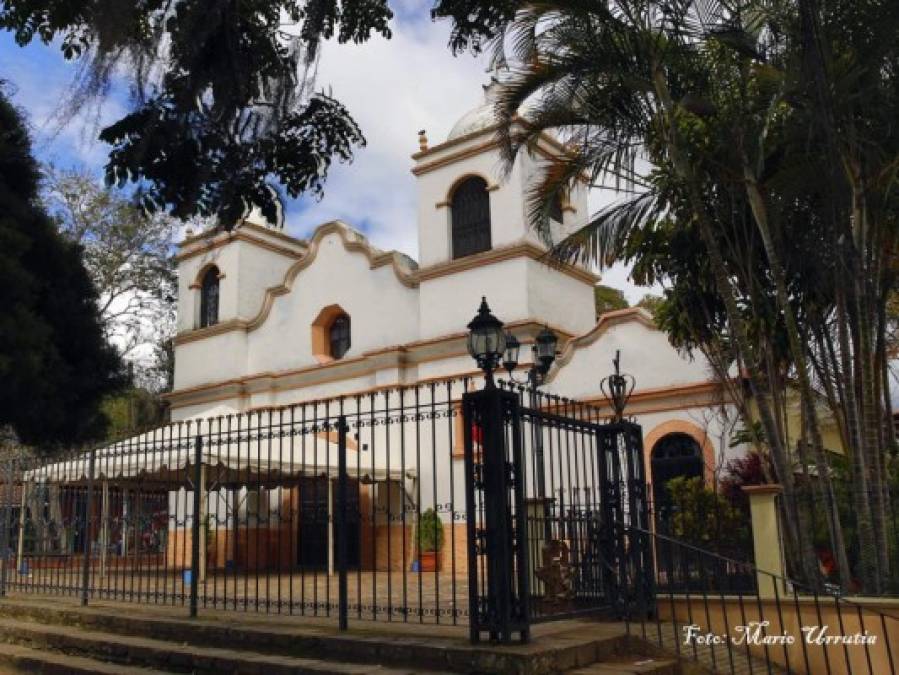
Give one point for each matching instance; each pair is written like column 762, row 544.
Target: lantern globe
column 545, row 347
column 510, row 356
column 486, row 338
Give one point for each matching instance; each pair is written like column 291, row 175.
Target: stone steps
column 230, row 642
column 19, row 659
column 63, row 643
column 639, row 665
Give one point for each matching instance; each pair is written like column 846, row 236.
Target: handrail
column 770, row 627
column 751, row 567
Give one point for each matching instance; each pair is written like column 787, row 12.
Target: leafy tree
column 133, row 410
column 704, row 518
column 223, row 92
column 651, row 303
column 55, row 365
column 129, row 255
column 608, row 299
column 758, row 145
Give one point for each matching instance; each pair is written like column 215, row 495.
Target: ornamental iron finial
column 617, row 388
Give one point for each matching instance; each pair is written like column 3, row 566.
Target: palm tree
column 698, row 112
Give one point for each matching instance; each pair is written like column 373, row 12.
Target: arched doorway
column 674, row 455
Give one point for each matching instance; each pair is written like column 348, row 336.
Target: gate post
column 4, row 540
column 639, row 540
column 494, row 485
column 341, row 529
column 86, row 563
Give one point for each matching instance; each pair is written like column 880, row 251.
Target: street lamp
column 544, row 350
column 486, row 341
column 544, row 354
column 618, row 388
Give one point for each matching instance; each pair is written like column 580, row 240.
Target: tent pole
column 20, row 549
column 125, row 515
column 204, row 524
column 330, row 526
column 104, row 526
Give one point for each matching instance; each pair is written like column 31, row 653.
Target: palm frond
column 602, row 240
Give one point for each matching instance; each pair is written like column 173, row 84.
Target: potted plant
column 429, row 540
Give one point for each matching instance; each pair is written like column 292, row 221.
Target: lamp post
column 498, row 589
column 544, row 350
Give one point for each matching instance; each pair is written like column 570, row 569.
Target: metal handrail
column 646, row 601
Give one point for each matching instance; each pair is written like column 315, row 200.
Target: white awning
column 231, row 457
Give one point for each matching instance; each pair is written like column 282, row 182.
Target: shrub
column 430, row 532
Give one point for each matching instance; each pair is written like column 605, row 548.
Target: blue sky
column 393, row 88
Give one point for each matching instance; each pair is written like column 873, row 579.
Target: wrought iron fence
column 709, row 520
column 320, row 508
column 353, row 507
column 548, row 483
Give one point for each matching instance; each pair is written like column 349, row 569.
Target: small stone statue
column 556, row 574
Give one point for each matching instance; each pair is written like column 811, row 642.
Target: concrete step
column 169, row 656
column 19, row 659
column 555, row 647
column 631, row 665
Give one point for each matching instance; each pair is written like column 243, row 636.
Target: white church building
column 267, row 320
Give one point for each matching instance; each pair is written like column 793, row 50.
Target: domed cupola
column 480, row 117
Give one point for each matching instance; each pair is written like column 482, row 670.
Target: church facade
column 269, row 320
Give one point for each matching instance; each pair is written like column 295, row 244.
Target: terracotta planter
column 428, row 561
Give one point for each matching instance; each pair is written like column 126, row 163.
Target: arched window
column 470, row 217
column 209, row 298
column 339, row 336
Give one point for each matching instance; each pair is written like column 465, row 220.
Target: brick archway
column 692, row 430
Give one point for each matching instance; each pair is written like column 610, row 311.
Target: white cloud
column 42, row 84
column 393, row 88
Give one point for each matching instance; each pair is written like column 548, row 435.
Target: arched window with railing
column 470, row 206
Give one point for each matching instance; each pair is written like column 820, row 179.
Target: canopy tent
column 165, row 459
column 229, row 457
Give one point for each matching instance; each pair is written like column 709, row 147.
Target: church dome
column 477, row 119
column 483, row 116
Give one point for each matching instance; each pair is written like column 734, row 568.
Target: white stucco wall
column 645, row 353
column 449, row 302
column 382, row 310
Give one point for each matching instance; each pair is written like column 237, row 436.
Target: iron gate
column 550, row 491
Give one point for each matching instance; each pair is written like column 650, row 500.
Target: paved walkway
column 385, row 596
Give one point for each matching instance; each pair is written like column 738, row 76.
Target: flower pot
column 427, row 561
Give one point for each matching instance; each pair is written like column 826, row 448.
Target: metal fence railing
column 700, row 609
column 353, row 503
